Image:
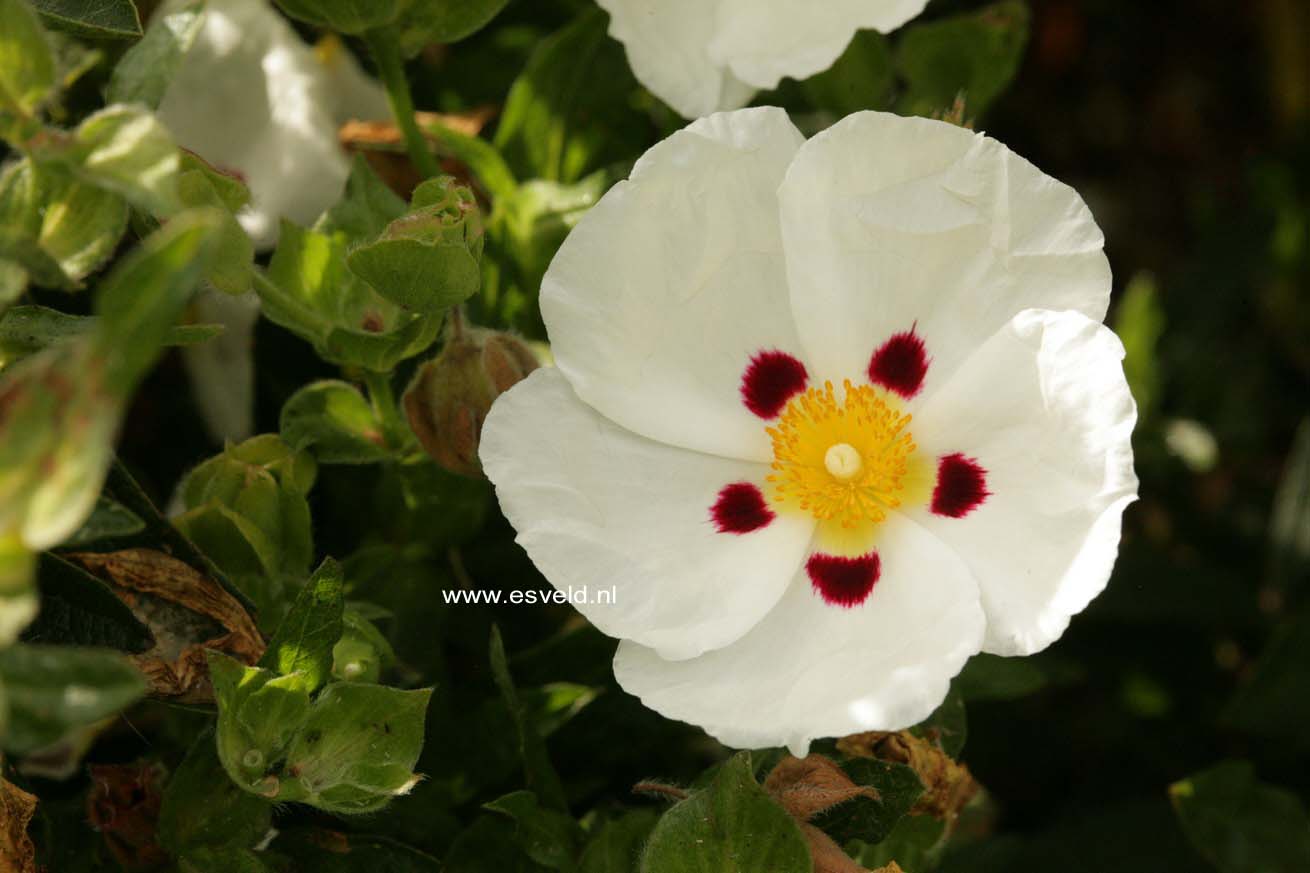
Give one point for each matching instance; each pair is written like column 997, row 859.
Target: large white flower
column 831, row 416
column 250, row 96
column 700, row 56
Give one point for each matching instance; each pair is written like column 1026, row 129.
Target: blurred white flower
column 252, row 98
column 700, row 56
column 830, row 417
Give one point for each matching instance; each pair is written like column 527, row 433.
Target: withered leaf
column 948, row 784
column 17, row 853
column 807, row 786
column 827, row 855
column 123, row 804
column 186, row 611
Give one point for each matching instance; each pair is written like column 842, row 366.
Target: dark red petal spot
column 961, row 486
column 740, row 509
column 844, row 582
column 770, row 381
column 900, row 364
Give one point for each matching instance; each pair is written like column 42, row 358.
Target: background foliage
column 1166, row 730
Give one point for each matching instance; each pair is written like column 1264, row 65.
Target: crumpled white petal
column 598, row 506
column 667, row 286
column 700, row 56
column 1044, row 407
column 892, row 223
column 251, row 97
column 812, row 670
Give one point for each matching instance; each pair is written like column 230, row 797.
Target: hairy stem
column 391, row 67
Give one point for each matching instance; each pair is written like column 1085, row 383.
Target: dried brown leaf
column 123, row 804
column 17, row 853
column 948, row 784
column 807, row 786
column 187, row 612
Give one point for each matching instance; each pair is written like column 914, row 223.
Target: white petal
column 811, row 670
column 892, row 223
column 763, row 42
column 598, row 506
column 1044, row 407
column 666, row 288
column 250, row 96
column 222, row 370
column 667, row 43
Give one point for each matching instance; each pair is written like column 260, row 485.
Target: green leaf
column 310, row 291
column 1275, row 701
column 731, row 826
column 303, row 643
column 978, row 54
column 203, row 807
column 81, row 223
column 867, row 819
column 234, row 253
column 358, row 747
column 79, row 609
column 569, row 112
column 366, row 207
column 912, row 844
column 540, row 776
column 141, row 300
column 421, row 277
column 333, row 421
column 13, row 282
column 444, row 21
column 27, row 65
column 489, row 845
column 109, row 520
column 862, row 78
column 97, row 19
column 126, row 150
column 1240, row 824
column 353, row 17
column 993, row 677
column 145, row 70
column 1139, row 321
column 616, row 845
column 548, row 836
column 221, row 860
column 28, row 329
column 52, row 690
column 332, row 851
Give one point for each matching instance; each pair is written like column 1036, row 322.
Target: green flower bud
column 450, row 396
column 442, row 211
column 247, row 509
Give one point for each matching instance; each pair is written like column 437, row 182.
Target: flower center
column 844, row 460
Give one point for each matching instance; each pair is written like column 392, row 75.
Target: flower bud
column 441, row 211
column 451, row 395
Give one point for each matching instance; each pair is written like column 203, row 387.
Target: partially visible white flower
column 251, row 97
column 828, row 418
column 700, row 56
column 222, row 370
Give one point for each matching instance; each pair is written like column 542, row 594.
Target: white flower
column 250, row 96
column 830, row 416
column 700, row 56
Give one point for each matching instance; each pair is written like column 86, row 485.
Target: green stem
column 383, row 400
column 391, row 67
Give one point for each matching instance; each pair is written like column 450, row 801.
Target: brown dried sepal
column 123, row 804
column 891, row 867
column 828, row 857
column 186, row 611
column 948, row 784
column 17, row 852
column 807, row 786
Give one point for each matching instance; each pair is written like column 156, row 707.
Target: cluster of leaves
column 210, row 704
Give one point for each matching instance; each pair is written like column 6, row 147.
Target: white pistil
column 843, row 461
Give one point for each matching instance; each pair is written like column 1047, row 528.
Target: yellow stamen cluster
column 841, row 461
